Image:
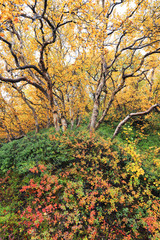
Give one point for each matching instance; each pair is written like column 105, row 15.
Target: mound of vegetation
column 64, row 63
column 81, row 187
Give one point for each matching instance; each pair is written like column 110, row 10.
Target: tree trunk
column 48, row 120
column 17, row 120
column 72, row 123
column 100, row 86
column 78, row 120
column 56, row 121
column 64, row 124
column 109, row 104
column 51, row 100
column 94, row 115
column 35, row 117
column 34, row 113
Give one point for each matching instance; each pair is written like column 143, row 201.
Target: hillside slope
column 80, row 186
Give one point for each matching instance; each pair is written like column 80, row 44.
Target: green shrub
column 103, row 192
column 27, row 152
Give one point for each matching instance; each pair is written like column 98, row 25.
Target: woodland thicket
column 79, row 119
column 64, row 60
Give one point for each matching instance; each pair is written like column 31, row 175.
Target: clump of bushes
column 27, row 152
column 102, row 191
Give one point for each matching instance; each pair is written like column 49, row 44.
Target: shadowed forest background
column 79, row 119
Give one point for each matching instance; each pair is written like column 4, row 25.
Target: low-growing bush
column 27, row 152
column 101, row 193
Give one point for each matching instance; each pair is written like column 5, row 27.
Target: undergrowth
column 79, row 185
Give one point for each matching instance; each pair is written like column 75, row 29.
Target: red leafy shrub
column 102, row 194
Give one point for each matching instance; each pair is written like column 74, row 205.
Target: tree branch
column 134, row 115
column 27, row 67
column 11, row 50
column 13, row 80
column 45, row 8
column 112, row 6
column 21, row 79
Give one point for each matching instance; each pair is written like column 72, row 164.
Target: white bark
column 55, row 120
column 134, row 115
column 64, row 124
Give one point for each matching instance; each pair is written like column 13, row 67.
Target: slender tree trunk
column 34, row 115
column 33, row 112
column 71, row 112
column 151, row 83
column 100, row 86
column 48, row 120
column 109, row 104
column 56, row 121
column 64, row 124
column 72, row 123
column 78, row 119
column 55, row 113
column 17, row 120
column 11, row 134
column 94, row 114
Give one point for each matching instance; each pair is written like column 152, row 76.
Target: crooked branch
column 21, row 79
column 156, row 106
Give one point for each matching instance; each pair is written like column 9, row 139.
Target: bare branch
column 45, row 8
column 26, row 16
column 117, row 47
column 13, row 80
column 112, row 6
column 141, row 63
column 27, row 67
column 134, row 115
column 21, row 79
column 64, row 23
column 132, row 13
column 11, row 50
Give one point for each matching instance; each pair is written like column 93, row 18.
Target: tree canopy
column 64, row 60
